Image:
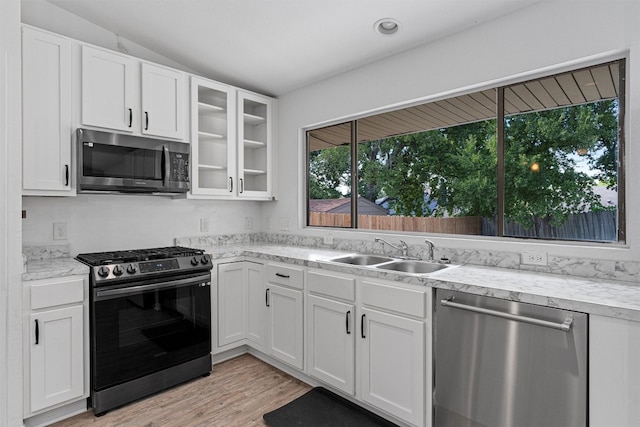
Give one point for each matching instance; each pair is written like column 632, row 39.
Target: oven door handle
column 204, row 280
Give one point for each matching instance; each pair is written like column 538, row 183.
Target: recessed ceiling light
column 386, row 26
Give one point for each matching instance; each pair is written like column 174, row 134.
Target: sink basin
column 411, row 266
column 360, row 259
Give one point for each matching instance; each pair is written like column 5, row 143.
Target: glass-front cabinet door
column 213, row 138
column 254, row 145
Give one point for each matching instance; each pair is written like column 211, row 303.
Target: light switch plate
column 204, row 225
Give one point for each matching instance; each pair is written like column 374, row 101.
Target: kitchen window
column 538, row 159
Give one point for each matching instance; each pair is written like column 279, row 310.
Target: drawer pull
column 284, row 276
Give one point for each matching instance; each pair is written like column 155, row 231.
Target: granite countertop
column 54, row 267
column 595, row 296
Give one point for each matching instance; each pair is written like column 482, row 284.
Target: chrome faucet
column 403, row 248
column 431, row 246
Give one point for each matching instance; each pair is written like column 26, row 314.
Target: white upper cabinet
column 108, row 84
column 121, row 93
column 163, row 102
column 255, row 138
column 46, row 108
column 213, row 136
column 232, row 139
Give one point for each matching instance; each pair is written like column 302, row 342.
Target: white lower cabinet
column 392, row 349
column 372, row 346
column 391, row 367
column 57, row 366
column 366, row 339
column 257, row 307
column 330, row 337
column 55, row 343
column 284, row 314
column 614, row 372
column 285, row 324
column 232, row 303
column 241, row 312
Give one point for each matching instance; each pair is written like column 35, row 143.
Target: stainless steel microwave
column 111, row 162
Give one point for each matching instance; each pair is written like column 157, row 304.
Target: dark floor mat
column 321, row 408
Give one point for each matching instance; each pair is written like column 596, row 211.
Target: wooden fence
column 460, row 225
column 592, row 226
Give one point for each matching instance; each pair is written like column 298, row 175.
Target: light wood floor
column 237, row 393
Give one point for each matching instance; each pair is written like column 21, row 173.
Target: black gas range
column 130, row 265
column 150, row 322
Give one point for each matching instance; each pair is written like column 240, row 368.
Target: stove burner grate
column 136, row 255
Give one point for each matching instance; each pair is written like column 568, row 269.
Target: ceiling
column 600, row 82
column 276, row 46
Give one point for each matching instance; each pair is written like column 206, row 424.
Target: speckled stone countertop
column 54, row 267
column 595, row 296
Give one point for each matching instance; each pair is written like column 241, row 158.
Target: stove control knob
column 194, row 261
column 118, row 270
column 204, row 260
column 103, row 271
column 131, row 269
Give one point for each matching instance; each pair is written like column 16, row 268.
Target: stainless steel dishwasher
column 502, row 363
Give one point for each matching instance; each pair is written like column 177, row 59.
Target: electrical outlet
column 267, row 223
column 284, row 224
column 204, row 225
column 248, row 223
column 59, row 231
column 327, row 239
column 534, row 258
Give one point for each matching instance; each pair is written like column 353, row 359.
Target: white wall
column 545, row 38
column 10, row 262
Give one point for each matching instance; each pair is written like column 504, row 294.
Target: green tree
column 329, row 172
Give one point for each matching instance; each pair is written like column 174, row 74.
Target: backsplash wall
column 581, row 267
column 104, row 222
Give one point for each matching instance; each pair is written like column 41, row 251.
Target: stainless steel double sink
column 393, row 264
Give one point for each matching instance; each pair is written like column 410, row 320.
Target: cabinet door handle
column 362, row 326
column 66, row 175
column 241, row 185
column 230, row 184
column 285, row 276
column 146, row 120
column 130, row 117
column 266, row 298
column 37, row 332
column 347, row 322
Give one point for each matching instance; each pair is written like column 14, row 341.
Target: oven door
column 147, row 326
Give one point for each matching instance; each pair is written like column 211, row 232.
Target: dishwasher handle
column 564, row 326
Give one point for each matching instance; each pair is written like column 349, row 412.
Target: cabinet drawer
column 57, row 292
column 331, row 285
column 285, row 275
column 401, row 300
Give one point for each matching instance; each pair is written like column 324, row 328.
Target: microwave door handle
column 166, row 167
